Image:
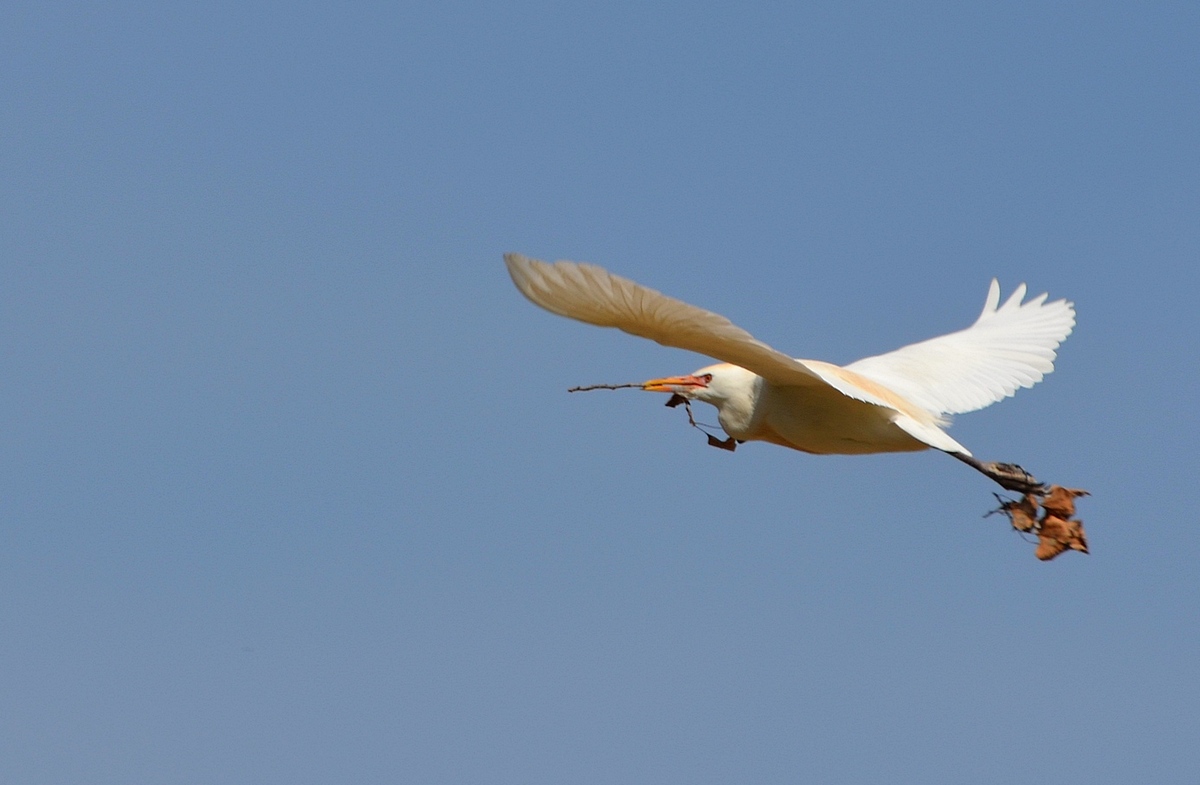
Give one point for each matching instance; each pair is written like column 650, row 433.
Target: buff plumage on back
column 1008, row 347
column 592, row 294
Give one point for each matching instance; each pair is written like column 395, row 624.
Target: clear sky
column 293, row 492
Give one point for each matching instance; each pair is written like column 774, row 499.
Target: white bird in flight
column 894, row 402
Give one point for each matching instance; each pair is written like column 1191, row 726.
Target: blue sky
column 293, row 491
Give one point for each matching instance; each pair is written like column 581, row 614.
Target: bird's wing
column 1010, row 346
column 592, row 294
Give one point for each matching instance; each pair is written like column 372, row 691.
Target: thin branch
column 585, row 388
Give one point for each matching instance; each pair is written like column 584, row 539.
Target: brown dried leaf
column 1060, row 501
column 1078, row 541
column 1057, row 534
column 1022, row 514
column 1048, row 548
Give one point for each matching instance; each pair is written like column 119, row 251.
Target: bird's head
column 714, row 384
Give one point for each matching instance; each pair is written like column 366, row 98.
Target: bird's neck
column 737, row 412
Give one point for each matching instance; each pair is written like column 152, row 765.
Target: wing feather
column 1009, row 346
column 592, row 294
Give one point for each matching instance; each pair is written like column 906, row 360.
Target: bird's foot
column 1013, row 478
column 1008, row 476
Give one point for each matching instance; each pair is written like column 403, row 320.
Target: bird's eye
column 707, row 378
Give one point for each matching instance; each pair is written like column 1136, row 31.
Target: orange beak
column 674, row 384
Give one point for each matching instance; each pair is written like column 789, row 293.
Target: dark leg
column 1008, row 475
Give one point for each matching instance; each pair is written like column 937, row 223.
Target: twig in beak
column 675, row 400
column 585, row 388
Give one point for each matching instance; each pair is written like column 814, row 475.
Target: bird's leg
column 1007, row 475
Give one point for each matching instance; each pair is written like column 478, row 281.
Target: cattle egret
column 894, row 402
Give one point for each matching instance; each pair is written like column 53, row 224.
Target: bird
column 900, row 401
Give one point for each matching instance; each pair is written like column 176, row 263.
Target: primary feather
column 1008, row 347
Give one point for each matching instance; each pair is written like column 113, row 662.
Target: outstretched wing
column 592, row 294
column 1008, row 347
